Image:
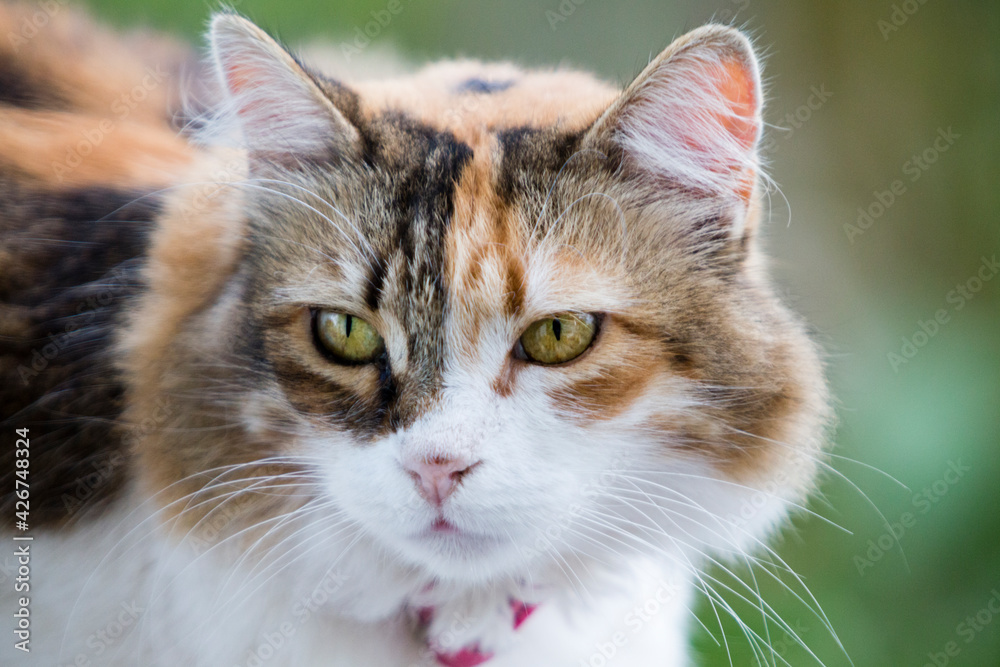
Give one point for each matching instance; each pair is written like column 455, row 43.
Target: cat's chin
column 449, row 553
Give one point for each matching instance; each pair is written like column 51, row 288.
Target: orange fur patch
column 64, row 150
column 565, row 99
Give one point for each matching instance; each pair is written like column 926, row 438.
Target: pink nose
column 438, row 478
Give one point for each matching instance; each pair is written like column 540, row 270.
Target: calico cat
column 475, row 366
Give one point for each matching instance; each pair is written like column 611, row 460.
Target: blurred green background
column 857, row 91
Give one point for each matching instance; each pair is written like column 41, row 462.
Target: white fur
column 599, row 589
column 591, row 522
column 120, row 572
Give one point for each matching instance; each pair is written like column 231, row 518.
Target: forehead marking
column 485, row 263
column 483, row 86
column 424, row 167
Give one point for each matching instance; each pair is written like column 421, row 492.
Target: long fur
column 259, row 510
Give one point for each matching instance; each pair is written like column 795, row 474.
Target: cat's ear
column 278, row 106
column 692, row 118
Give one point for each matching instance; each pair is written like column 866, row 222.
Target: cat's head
column 478, row 320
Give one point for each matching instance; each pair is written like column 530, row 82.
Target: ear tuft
column 278, row 107
column 693, row 116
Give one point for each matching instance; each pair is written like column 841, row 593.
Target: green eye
column 559, row 338
column 348, row 338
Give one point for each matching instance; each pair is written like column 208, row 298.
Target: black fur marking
column 68, row 275
column 482, row 86
column 404, row 190
column 387, row 396
column 376, row 281
column 531, row 159
column 18, row 89
column 427, row 165
column 422, row 229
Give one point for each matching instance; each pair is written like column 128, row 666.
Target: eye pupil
column 346, row 338
column 558, row 338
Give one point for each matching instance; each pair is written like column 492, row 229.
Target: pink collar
column 471, row 656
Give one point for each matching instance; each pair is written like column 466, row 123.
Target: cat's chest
column 634, row 625
column 143, row 603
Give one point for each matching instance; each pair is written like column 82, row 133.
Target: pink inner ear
column 731, row 90
column 736, row 85
column 241, row 78
column 738, row 90
column 270, row 107
column 731, row 87
column 237, row 76
column 697, row 120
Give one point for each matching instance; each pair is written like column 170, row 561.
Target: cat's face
column 483, row 347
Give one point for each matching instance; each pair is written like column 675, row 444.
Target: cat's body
column 111, row 621
column 217, row 485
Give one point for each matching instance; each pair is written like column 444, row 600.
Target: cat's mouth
column 443, row 526
column 443, row 533
column 453, row 552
